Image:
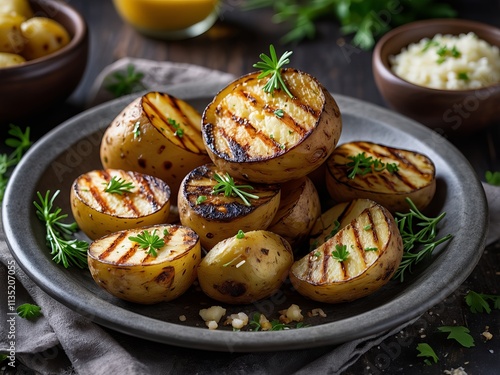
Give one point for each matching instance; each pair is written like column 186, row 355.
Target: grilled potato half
column 156, row 134
column 245, row 268
column 216, row 217
column 109, row 200
column 125, row 269
column 269, row 137
column 299, row 209
column 357, row 261
column 415, row 177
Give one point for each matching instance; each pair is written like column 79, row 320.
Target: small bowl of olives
column 43, row 55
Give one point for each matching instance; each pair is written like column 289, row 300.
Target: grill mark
column 373, row 227
column 357, row 240
column 145, row 189
column 96, row 193
column 119, row 238
column 129, row 254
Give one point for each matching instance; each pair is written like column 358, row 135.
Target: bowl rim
column 380, row 66
column 81, row 33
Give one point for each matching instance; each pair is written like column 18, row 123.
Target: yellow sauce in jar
column 164, row 15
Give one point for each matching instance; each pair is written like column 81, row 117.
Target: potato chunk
column 43, row 36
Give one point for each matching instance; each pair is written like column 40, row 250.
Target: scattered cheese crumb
column 456, row 371
column 212, row 324
column 316, row 312
column 212, row 315
column 292, row 314
column 265, row 324
column 182, row 318
column 487, row 335
column 237, row 321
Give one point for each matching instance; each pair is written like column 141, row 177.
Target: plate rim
column 104, row 313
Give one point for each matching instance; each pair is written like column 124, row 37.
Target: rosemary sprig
column 118, row 186
column 149, row 241
column 65, row 249
column 125, row 82
column 225, row 184
column 362, row 164
column 270, row 65
column 20, row 142
column 417, row 231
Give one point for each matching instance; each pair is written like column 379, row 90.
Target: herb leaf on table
column 125, row 82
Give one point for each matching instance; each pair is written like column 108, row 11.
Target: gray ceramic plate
column 73, row 148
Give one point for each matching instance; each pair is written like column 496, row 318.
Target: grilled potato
column 156, row 134
column 245, row 268
column 269, row 137
column 126, row 270
column 415, row 177
column 299, row 209
column 98, row 212
column 216, row 216
column 336, row 218
column 374, row 250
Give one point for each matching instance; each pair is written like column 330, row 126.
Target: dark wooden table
column 233, row 45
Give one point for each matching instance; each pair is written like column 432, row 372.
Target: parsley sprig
column 149, row 241
column 480, row 302
column 419, row 234
column 179, row 132
column 29, row 311
column 340, row 253
column 118, row 186
column 20, row 141
column 270, row 65
column 125, row 82
column 361, row 164
column 460, row 334
column 64, row 248
column 492, row 178
column 426, row 351
column 225, row 184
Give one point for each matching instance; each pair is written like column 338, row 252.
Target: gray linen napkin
column 64, row 342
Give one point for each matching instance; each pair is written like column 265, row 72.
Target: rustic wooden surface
column 232, row 45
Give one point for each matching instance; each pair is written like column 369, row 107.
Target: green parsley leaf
column 493, row 178
column 179, row 132
column 463, row 76
column 240, row 234
column 272, row 66
column 125, row 82
column 479, row 302
column 149, row 241
column 29, row 311
column 425, row 350
column 340, row 253
column 460, row 334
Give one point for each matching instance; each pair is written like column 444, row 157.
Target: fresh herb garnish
column 279, row 113
column 118, row 186
column 270, row 65
column 148, row 241
column 225, row 184
column 240, row 234
column 20, row 142
column 65, row 249
column 362, row 164
column 29, row 311
column 179, row 132
column 137, row 130
column 418, row 232
column 371, row 248
column 463, row 76
column 460, row 333
column 361, row 18
column 333, row 232
column 125, row 82
column 340, row 253
column 426, row 351
column 479, row 302
column 493, row 178
column 200, row 199
column 367, row 227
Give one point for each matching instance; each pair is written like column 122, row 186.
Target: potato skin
column 280, row 164
column 141, row 278
column 415, row 178
column 320, row 277
column 133, row 142
column 43, row 36
column 245, row 270
column 98, row 213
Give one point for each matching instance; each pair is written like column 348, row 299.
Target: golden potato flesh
column 299, row 209
column 43, row 36
column 16, row 7
column 11, row 36
column 415, row 177
column 10, row 59
column 100, row 210
column 269, row 137
column 374, row 250
column 246, row 268
column 156, row 134
column 218, row 216
column 126, row 270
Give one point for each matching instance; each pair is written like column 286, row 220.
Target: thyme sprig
column 118, row 186
column 271, row 65
column 149, row 241
column 225, row 184
column 419, row 234
column 20, row 141
column 125, row 82
column 361, row 164
column 64, row 248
